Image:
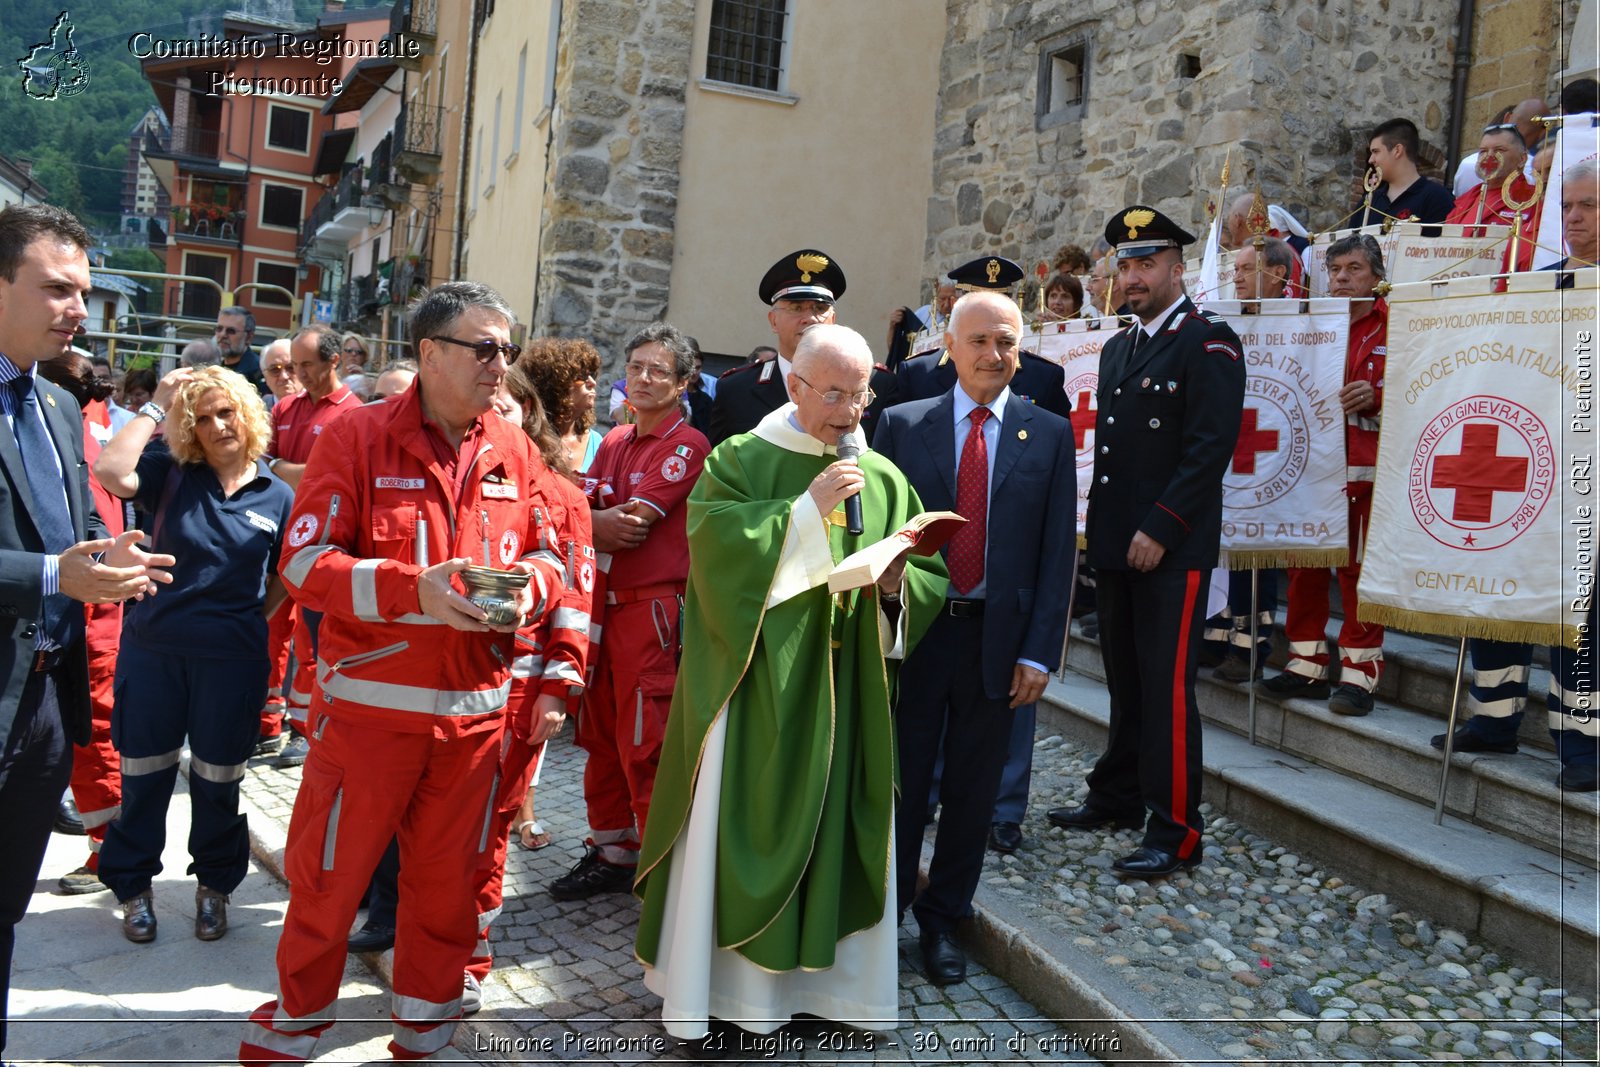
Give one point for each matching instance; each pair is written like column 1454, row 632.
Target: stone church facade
column 1054, row 114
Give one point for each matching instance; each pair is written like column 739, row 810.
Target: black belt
column 47, row 661
column 964, row 609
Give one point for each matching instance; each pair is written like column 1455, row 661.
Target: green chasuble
column 808, row 782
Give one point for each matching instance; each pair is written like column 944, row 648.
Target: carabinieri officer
column 1170, row 394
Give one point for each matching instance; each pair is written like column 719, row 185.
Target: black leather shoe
column 1005, row 837
column 1288, row 684
column 1235, row 667
column 139, row 918
column 210, row 914
column 67, row 820
column 1153, row 863
column 942, row 959
column 372, row 937
column 591, row 876
column 1087, row 818
column 1579, row 778
column 1469, row 740
column 1350, row 700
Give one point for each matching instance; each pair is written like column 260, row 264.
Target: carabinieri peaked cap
column 995, row 274
column 804, row 275
column 1142, row 231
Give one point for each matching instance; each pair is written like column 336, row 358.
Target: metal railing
column 347, row 193
column 195, row 141
column 420, row 130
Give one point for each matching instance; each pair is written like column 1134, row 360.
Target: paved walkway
column 566, row 986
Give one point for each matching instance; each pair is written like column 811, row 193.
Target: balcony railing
column 343, row 196
column 419, row 18
column 418, row 144
column 208, row 222
column 196, row 141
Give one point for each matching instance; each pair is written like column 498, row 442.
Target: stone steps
column 1513, row 795
column 1320, row 795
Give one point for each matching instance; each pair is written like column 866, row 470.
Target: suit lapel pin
column 48, row 399
column 1172, row 386
column 1022, row 435
column 1145, row 384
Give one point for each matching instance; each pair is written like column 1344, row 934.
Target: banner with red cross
column 1075, row 344
column 1283, row 496
column 1483, row 507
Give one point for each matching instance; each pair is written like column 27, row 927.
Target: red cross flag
column 1283, row 496
column 1076, row 344
column 1483, row 507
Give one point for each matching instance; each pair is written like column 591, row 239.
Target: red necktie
column 972, row 504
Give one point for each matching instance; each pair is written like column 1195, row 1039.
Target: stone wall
column 1519, row 48
column 612, row 190
column 1290, row 86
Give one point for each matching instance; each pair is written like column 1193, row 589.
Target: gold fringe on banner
column 1272, row 558
column 1083, row 542
column 1428, row 622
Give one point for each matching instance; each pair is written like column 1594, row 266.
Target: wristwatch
column 153, row 411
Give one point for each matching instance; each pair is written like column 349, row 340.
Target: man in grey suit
column 47, row 568
column 1009, row 467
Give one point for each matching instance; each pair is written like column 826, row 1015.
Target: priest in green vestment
column 767, row 867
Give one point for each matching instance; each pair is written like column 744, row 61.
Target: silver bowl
column 495, row 591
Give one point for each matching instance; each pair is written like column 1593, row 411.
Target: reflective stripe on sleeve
column 364, row 590
column 297, row 569
column 570, row 619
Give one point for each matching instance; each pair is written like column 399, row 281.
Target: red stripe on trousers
column 1180, row 720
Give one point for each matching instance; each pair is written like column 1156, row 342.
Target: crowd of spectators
column 672, row 581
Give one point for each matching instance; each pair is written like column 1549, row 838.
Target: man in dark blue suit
column 47, row 569
column 1009, row 466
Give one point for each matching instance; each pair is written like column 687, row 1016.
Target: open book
column 923, row 535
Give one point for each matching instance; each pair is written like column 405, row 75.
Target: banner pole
column 1066, row 637
column 1255, row 629
column 1450, row 733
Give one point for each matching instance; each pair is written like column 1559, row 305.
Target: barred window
column 746, row 44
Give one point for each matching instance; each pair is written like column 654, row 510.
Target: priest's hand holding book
column 883, row 562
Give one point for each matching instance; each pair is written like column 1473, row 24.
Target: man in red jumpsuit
column 1355, row 267
column 412, row 681
column 636, row 486
column 1501, row 154
column 297, row 422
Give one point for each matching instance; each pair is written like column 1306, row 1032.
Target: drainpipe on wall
column 1465, row 15
column 466, row 141
column 549, row 163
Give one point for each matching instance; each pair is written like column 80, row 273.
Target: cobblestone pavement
column 567, row 988
column 1265, row 955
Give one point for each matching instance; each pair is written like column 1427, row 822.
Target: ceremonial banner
column 1204, row 290
column 1283, row 496
column 1408, row 256
column 1483, row 512
column 1075, row 344
column 1577, row 141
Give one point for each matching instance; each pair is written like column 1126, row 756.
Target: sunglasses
column 485, row 351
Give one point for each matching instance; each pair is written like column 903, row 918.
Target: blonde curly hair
column 254, row 425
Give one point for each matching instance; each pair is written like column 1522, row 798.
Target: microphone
column 850, row 446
